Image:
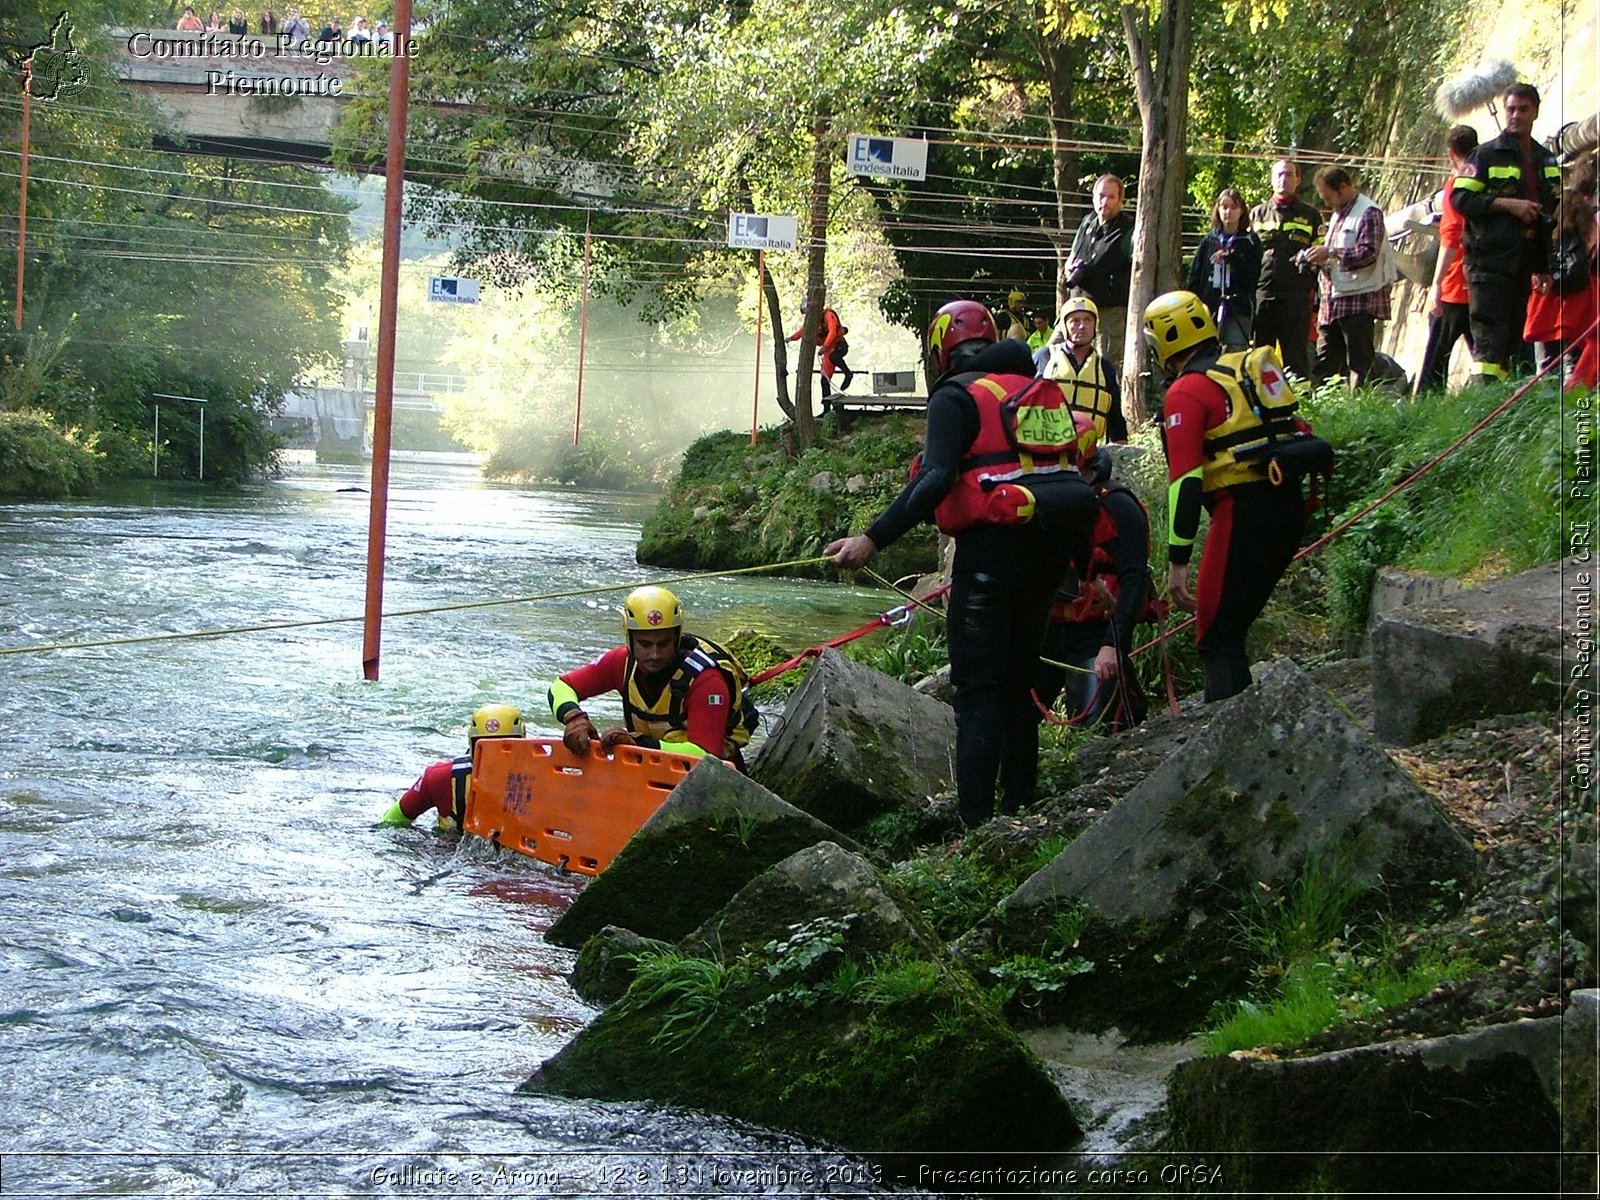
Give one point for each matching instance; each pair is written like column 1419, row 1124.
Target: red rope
column 881, row 621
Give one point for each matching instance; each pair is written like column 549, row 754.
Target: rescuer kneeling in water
column 443, row 786
column 679, row 692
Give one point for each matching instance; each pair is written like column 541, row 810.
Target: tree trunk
column 805, row 424
column 780, row 348
column 1163, row 93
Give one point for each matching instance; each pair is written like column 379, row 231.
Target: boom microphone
column 1469, row 90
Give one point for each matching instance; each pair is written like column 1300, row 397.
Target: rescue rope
column 895, row 616
column 270, row 627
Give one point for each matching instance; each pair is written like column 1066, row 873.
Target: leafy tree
column 150, row 272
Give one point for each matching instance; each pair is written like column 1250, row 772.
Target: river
column 220, row 978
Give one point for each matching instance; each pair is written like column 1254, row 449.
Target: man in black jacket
column 1006, row 566
column 1287, row 289
column 1101, row 266
column 1506, row 196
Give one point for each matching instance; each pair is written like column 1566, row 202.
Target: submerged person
column 680, row 692
column 443, row 786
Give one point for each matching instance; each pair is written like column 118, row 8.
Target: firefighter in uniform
column 1507, row 197
column 998, row 475
column 1212, row 415
column 443, row 786
column 1286, row 291
column 679, row 692
column 1073, row 362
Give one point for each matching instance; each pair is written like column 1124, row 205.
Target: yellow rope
column 400, row 612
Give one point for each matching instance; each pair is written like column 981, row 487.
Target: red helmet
column 957, row 322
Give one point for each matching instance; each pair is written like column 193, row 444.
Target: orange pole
column 388, row 306
column 761, row 295
column 22, row 194
column 583, row 331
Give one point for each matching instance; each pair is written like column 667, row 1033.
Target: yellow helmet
column 1015, row 298
column 1077, row 304
column 651, row 608
column 1175, row 322
column 495, row 721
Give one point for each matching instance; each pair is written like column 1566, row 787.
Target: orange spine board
column 536, row 797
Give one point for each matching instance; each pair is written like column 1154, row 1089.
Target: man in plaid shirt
column 1358, row 270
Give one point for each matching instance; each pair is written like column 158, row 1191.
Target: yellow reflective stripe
column 1301, row 225
column 1468, row 184
column 1505, row 172
column 1552, row 171
column 1172, row 508
column 997, row 389
column 1492, row 369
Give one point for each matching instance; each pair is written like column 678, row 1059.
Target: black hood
column 1005, row 357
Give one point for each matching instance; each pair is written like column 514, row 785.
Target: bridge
column 250, row 96
column 333, row 420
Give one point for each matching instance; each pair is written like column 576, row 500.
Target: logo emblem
column 55, row 68
column 654, row 616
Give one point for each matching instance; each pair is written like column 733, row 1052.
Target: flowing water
column 219, row 977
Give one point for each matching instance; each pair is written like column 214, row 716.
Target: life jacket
column 1085, row 387
column 1020, row 465
column 1079, row 599
column 667, row 717
column 460, row 785
column 1260, row 437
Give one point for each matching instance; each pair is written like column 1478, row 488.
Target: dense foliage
column 152, row 272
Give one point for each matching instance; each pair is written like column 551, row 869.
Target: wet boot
column 1227, row 673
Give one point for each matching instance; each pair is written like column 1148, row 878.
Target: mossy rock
column 1276, row 788
column 853, row 744
column 717, row 831
column 826, row 1011
column 1468, row 1114
column 605, row 965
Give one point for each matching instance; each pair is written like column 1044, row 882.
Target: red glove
column 579, row 732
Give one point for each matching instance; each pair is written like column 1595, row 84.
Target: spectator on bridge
column 332, row 31
column 238, row 23
column 189, row 23
column 214, row 23
column 381, row 35
column 295, row 27
column 269, row 23
column 359, row 32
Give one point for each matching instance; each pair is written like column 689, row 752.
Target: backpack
column 1265, row 439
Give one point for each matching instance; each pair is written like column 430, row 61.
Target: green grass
column 1317, row 965
column 1324, row 991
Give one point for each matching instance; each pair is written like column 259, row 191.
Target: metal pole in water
column 22, row 185
column 583, row 330
column 388, row 305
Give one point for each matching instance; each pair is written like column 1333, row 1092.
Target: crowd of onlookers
column 293, row 26
column 1515, row 276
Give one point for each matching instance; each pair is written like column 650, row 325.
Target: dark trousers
column 1113, row 704
column 1497, row 312
column 1346, row 348
column 1255, row 531
column 1444, row 331
column 996, row 628
column 1286, row 323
